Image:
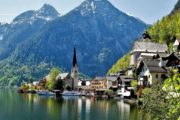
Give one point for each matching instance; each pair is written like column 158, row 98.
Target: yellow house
column 99, row 83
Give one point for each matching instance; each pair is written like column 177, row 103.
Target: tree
column 162, row 100
column 51, row 81
column 121, row 64
column 24, row 86
column 59, row 85
column 134, row 84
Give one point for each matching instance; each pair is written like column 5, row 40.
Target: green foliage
column 32, row 87
column 162, row 99
column 173, row 82
column 121, row 64
column 166, row 30
column 54, row 73
column 24, row 86
column 134, row 84
column 13, row 73
column 154, row 102
column 110, row 92
column 51, row 81
column 59, row 85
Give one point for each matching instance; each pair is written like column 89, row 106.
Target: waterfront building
column 99, row 83
column 112, row 82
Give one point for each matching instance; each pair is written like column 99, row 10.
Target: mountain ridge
column 99, row 31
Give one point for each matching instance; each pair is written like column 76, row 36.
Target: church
column 74, row 73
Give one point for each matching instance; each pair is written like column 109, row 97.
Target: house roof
column 122, row 78
column 176, row 43
column 99, row 78
column 149, row 47
column 172, row 60
column 111, row 78
column 152, row 65
column 126, row 78
column 63, row 75
column 157, row 69
column 172, row 56
column 152, row 62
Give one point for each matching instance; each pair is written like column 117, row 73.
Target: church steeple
column 75, row 72
column 74, row 58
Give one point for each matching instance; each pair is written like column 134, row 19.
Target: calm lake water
column 14, row 106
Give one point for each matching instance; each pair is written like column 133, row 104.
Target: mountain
column 23, row 27
column 100, row 33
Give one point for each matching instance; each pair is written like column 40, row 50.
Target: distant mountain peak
column 47, row 6
column 96, row 0
column 93, row 6
column 46, row 12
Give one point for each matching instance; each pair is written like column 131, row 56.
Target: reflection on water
column 14, row 106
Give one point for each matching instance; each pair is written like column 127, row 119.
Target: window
column 156, row 75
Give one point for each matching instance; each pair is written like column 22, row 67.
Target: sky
column 147, row 10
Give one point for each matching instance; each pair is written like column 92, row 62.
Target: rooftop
column 176, row 43
column 63, row 75
column 99, row 78
column 149, row 47
column 153, row 66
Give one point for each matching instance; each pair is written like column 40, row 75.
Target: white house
column 144, row 48
column 112, row 82
column 149, row 72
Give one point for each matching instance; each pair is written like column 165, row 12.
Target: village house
column 149, row 72
column 41, row 84
column 112, row 82
column 99, row 83
column 116, row 81
column 146, row 49
column 171, row 61
column 84, row 85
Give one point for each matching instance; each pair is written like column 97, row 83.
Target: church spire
column 74, row 58
column 75, row 72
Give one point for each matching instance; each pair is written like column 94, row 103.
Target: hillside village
column 90, row 60
column 150, row 62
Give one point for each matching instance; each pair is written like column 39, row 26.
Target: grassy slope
column 122, row 63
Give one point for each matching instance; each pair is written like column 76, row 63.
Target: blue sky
column 147, row 10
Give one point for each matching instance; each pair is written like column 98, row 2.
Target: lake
column 14, row 106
